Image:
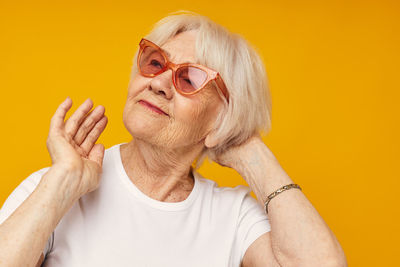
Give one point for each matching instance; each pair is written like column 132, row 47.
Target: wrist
column 254, row 156
column 58, row 184
column 64, row 170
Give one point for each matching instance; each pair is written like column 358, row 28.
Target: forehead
column 182, row 47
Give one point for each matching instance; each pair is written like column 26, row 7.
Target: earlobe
column 210, row 140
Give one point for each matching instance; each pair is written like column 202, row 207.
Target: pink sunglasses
column 187, row 78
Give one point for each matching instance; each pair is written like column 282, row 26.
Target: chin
column 141, row 126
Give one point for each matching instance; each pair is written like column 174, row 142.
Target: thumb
column 97, row 154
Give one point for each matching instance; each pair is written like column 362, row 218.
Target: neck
column 162, row 174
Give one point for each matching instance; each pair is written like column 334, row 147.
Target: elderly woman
column 196, row 90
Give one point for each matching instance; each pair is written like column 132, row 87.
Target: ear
column 211, row 140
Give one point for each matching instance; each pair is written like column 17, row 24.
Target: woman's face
column 188, row 119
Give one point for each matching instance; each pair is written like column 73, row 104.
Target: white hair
column 241, row 68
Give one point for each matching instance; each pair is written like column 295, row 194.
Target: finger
column 88, row 124
column 73, row 123
column 97, row 154
column 57, row 121
column 94, row 134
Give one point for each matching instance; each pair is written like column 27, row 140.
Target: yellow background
column 333, row 68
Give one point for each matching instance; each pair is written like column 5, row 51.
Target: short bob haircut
column 241, row 68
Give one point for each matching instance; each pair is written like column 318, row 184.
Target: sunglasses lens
column 151, row 61
column 189, row 79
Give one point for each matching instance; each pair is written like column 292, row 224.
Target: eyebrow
column 169, row 56
column 166, row 52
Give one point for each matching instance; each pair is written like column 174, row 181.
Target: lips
column 152, row 107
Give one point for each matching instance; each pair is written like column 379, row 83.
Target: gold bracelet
column 280, row 190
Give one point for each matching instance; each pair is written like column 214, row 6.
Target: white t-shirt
column 118, row 225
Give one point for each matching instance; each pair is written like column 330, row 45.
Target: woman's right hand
column 72, row 148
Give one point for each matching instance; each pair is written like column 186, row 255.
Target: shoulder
column 21, row 192
column 221, row 191
column 30, row 183
column 112, row 152
column 232, row 198
column 112, row 156
column 238, row 209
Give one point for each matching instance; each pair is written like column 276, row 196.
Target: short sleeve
column 18, row 196
column 252, row 223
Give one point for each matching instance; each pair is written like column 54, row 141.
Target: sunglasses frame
column 212, row 75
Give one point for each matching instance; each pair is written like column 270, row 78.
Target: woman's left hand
column 233, row 157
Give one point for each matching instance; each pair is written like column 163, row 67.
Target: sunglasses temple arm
column 222, row 87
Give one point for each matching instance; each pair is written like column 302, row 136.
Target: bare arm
column 299, row 236
column 25, row 232
column 75, row 171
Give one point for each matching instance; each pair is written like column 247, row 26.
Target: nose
column 162, row 84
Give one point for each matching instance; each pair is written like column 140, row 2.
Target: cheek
column 201, row 110
column 136, row 118
column 195, row 117
column 136, row 85
column 189, row 112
